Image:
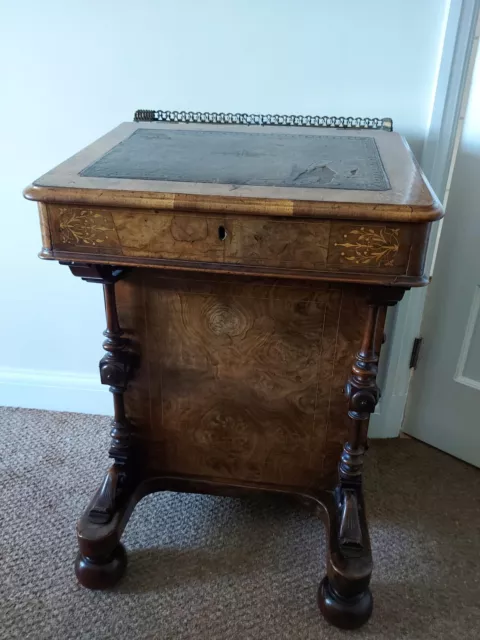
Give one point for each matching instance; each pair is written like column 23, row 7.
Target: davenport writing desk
column 247, row 272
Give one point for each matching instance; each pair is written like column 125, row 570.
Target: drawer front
column 277, row 243
column 314, row 246
column 319, row 245
column 134, row 233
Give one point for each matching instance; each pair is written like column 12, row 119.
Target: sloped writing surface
column 238, row 158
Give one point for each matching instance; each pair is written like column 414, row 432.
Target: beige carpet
column 218, row 568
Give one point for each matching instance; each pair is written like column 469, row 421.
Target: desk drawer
column 246, row 242
column 322, row 245
column 137, row 233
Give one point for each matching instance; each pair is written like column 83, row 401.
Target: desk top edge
column 410, row 199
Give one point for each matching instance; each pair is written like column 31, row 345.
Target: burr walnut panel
column 316, row 246
column 278, row 243
column 132, row 233
column 169, row 236
column 243, row 379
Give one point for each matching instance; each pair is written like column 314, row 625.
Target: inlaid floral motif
column 83, row 227
column 371, row 246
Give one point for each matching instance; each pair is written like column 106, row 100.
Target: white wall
column 73, row 70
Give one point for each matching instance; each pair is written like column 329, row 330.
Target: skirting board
column 54, row 391
column 64, row 391
column 387, row 423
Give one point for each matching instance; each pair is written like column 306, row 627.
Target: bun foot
column 101, row 573
column 345, row 613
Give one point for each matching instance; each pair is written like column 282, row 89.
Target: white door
column 443, row 406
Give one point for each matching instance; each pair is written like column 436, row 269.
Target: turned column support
column 344, row 595
column 361, row 388
column 363, row 394
column 116, row 368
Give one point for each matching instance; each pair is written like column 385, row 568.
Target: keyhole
column 222, row 233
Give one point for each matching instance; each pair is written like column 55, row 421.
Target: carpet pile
column 225, row 569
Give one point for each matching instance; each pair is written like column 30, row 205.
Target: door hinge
column 417, row 343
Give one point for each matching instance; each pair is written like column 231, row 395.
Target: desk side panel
column 241, row 378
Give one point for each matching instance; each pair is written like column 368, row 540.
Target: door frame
column 454, row 77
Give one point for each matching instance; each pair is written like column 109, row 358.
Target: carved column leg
column 101, row 560
column 115, row 368
column 344, row 596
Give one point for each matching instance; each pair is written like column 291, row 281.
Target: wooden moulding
column 47, row 246
column 228, row 204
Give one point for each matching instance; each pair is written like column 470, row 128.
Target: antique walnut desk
column 247, row 271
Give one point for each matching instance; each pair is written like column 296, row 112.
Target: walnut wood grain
column 240, row 377
column 277, row 243
column 169, row 236
column 304, row 246
column 135, row 233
